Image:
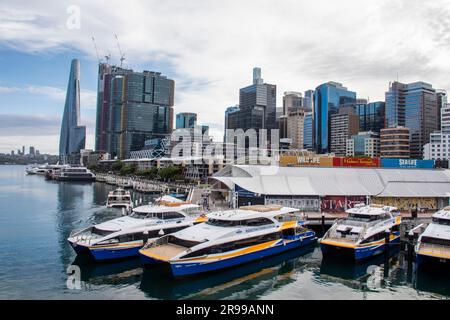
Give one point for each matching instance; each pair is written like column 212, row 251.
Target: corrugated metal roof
column 318, row 181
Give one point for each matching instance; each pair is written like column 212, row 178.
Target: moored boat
column 433, row 244
column 363, row 233
column 229, row 238
column 123, row 237
column 119, row 198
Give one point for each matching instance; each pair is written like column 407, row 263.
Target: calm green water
column 36, row 217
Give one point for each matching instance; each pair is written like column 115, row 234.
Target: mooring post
column 145, row 237
column 323, row 223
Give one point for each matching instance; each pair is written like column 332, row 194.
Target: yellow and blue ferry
column 123, row 237
column 229, row 238
column 363, row 233
column 433, row 244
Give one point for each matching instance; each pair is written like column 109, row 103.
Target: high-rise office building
column 328, row 97
column 132, row 107
column 32, row 151
column 343, row 125
column 439, row 146
column 295, row 127
column 308, row 100
column 73, row 136
column 186, row 120
column 414, row 106
column 257, row 106
column 291, row 99
column 308, row 131
column 371, row 115
column 394, row 142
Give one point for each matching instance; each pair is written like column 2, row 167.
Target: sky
column 209, row 47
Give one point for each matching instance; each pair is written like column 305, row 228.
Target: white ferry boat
column 229, row 238
column 74, row 174
column 433, row 244
column 362, row 234
column 123, row 237
column 119, row 198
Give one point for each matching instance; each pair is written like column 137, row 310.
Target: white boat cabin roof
column 251, row 212
column 168, row 207
column 371, row 210
column 443, row 214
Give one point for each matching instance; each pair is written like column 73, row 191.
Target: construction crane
column 122, row 55
column 96, row 50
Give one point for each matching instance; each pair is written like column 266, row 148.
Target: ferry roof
column 372, row 210
column 164, row 208
column 435, row 230
column 443, row 214
column 323, row 181
column 250, row 212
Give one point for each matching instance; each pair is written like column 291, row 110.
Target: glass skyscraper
column 414, row 106
column 371, row 115
column 186, row 120
column 73, row 136
column 328, row 97
column 132, row 107
column 308, row 131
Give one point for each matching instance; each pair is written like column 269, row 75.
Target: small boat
column 229, row 238
column 363, row 233
column 124, row 184
column 123, row 237
column 119, row 198
column 433, row 244
column 74, row 174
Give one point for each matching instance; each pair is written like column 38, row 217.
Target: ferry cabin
column 363, row 233
column 229, row 238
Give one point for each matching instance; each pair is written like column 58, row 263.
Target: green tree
column 117, row 166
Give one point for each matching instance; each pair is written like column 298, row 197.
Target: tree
column 117, row 166
column 127, row 169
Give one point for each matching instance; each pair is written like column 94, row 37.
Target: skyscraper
column 291, row 99
column 343, row 125
column 328, row 97
column 308, row 131
column 186, row 120
column 371, row 115
column 132, row 107
column 73, row 136
column 257, row 106
column 308, row 100
column 415, row 106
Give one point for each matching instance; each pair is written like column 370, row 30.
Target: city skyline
column 32, row 86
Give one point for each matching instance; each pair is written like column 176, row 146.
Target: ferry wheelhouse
column 124, row 236
column 362, row 234
column 119, row 198
column 433, row 244
column 229, row 238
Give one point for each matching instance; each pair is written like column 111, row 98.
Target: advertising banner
column 356, row 162
column 407, row 163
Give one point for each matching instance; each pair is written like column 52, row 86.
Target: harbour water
column 37, row 216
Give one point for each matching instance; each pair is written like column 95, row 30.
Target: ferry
column 119, row 198
column 74, row 174
column 433, row 244
column 229, row 238
column 123, row 237
column 362, row 234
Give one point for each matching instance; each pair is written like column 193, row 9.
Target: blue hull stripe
column 110, row 254
column 183, row 269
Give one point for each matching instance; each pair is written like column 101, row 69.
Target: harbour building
column 132, row 107
column 439, row 146
column 328, row 97
column 394, row 142
column 73, row 136
column 331, row 189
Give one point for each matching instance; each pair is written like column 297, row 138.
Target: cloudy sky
column 209, row 48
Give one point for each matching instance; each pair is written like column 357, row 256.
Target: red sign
column 330, row 204
column 356, row 162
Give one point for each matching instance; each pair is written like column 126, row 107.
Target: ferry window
column 430, row 240
column 172, row 215
column 181, row 242
column 442, row 221
column 257, row 222
column 139, row 215
column 99, row 232
column 223, row 223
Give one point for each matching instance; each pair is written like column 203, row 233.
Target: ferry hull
column 102, row 254
column 185, row 269
column 79, row 249
column 423, row 260
column 357, row 253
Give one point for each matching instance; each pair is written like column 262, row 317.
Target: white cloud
column 211, row 46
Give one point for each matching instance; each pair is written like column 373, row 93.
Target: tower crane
column 122, row 55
